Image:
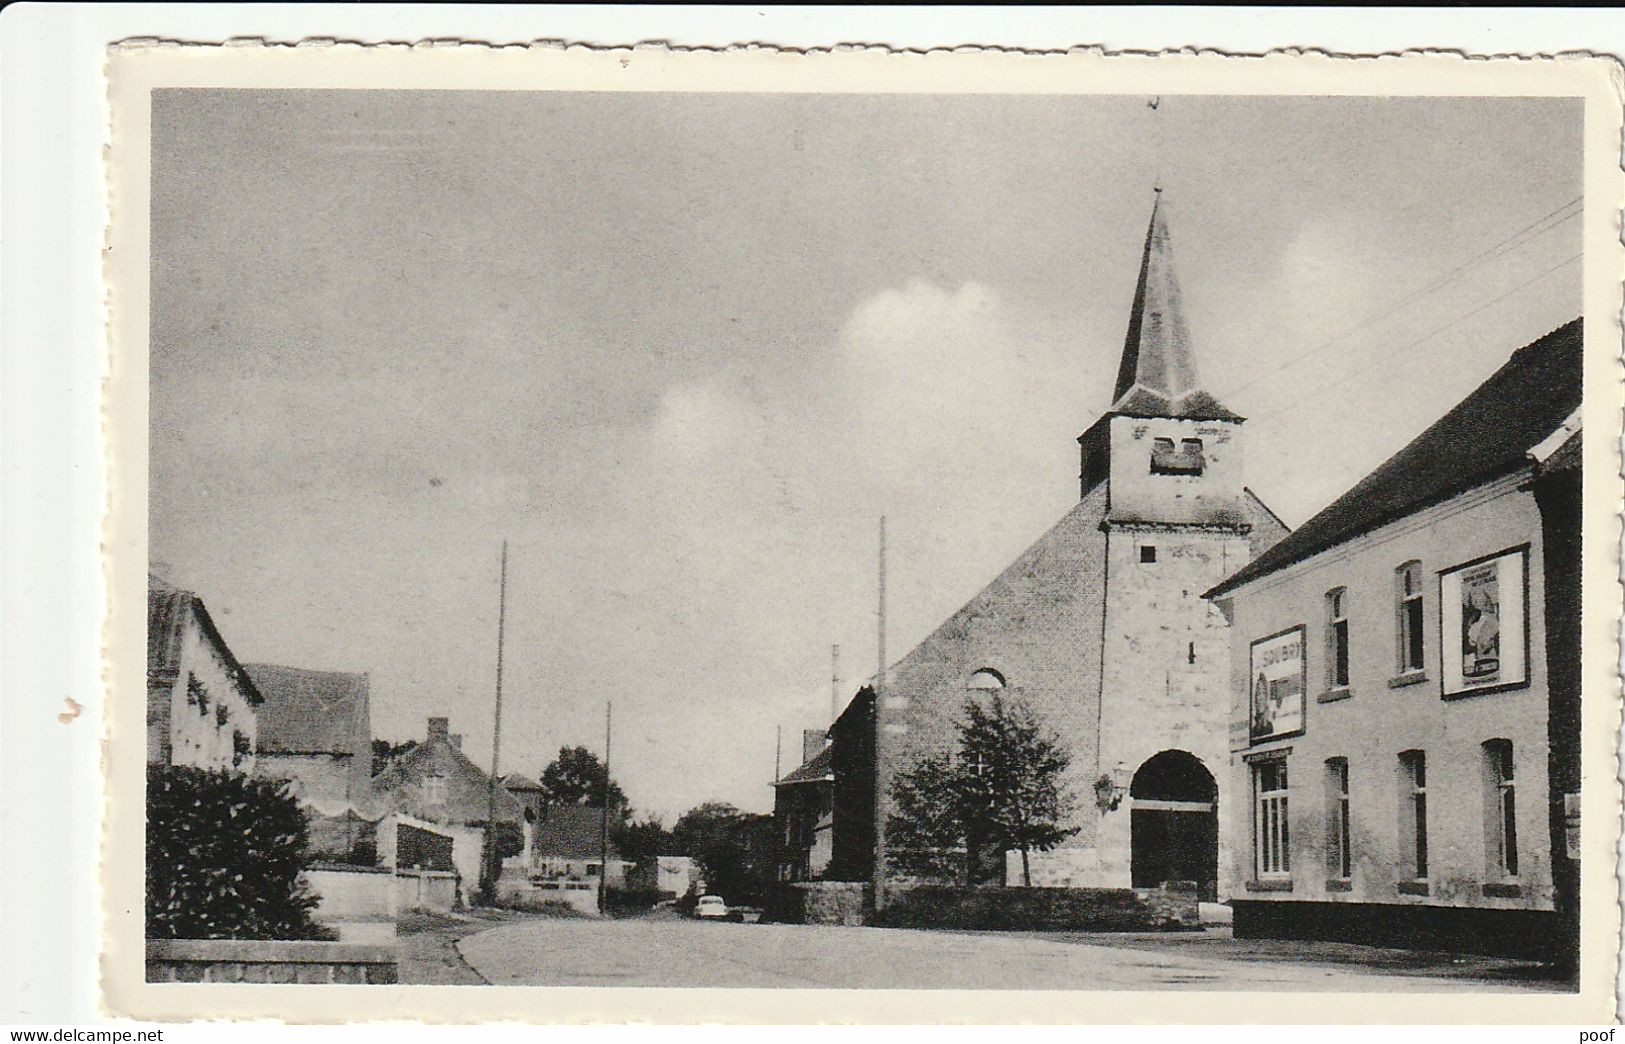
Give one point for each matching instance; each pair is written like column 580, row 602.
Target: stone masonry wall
column 1038, row 625
column 252, row 960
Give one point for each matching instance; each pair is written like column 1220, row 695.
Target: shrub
column 224, row 855
column 635, row 900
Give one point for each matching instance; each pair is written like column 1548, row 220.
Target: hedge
column 224, row 855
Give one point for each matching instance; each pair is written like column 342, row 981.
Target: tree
column 734, row 849
column 225, row 854
column 1012, row 795
column 642, row 839
column 383, row 752
column 1003, row 791
column 925, row 836
column 577, row 777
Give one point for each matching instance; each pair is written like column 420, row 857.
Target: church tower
column 1100, row 629
column 1177, row 520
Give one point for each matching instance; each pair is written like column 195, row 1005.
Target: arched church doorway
column 1174, row 823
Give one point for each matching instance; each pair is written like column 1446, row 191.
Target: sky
column 681, row 351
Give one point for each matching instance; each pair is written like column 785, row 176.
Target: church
column 1101, row 627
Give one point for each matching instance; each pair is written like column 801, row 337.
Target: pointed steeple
column 1157, row 377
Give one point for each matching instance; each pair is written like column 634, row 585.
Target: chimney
column 457, row 740
column 812, row 744
column 437, row 729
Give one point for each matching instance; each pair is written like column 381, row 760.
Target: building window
column 1413, row 774
column 1502, row 819
column 1408, row 596
column 1273, row 855
column 1148, row 552
column 1339, row 851
column 592, row 869
column 434, row 790
column 1187, row 460
column 1337, row 638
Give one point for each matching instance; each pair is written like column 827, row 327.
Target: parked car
column 711, row 906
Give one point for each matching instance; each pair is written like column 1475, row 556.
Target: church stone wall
column 1166, row 680
column 1212, row 497
column 1038, row 625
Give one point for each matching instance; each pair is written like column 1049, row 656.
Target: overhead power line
column 1309, row 397
column 1502, row 246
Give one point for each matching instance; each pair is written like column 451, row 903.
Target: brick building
column 1101, row 627
column 804, row 811
column 1405, row 720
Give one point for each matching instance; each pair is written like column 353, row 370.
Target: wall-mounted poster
column 1484, row 624
column 1278, row 684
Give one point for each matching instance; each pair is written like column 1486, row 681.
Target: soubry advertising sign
column 1484, row 624
column 1278, row 683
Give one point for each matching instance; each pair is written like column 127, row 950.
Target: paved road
column 673, row 952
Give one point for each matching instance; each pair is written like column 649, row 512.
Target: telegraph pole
column 879, row 884
column 492, row 862
column 834, row 683
column 778, row 750
column 603, row 823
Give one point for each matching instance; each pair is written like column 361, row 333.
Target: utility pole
column 879, row 885
column 778, row 750
column 834, row 683
column 492, row 861
column 603, row 823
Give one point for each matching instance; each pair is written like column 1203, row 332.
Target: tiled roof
column 1487, row 435
column 167, row 610
column 572, row 832
column 519, row 782
column 821, row 767
column 1157, row 377
column 311, row 712
column 467, row 792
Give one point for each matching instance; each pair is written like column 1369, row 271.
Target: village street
column 667, row 951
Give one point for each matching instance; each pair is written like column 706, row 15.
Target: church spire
column 1157, row 377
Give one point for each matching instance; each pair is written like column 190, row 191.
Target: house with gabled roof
column 1405, row 680
column 804, row 811
column 316, row 734
column 202, row 706
column 569, row 846
column 437, row 783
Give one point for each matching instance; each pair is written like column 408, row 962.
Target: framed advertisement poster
column 1278, row 684
column 1484, row 624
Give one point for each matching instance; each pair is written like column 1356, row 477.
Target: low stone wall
column 357, row 902
column 581, row 896
column 819, row 902
column 429, row 891
column 992, row 907
column 274, row 960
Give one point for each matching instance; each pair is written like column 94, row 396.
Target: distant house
column 316, row 733
column 676, row 874
column 202, row 708
column 528, row 791
column 532, row 796
column 569, row 843
column 435, row 782
column 804, row 811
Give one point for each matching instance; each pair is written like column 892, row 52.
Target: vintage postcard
column 854, row 536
